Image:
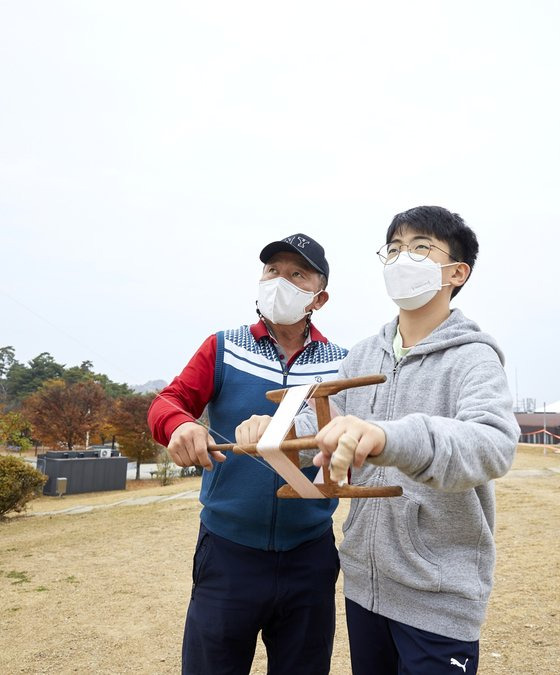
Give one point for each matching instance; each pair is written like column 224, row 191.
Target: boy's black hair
column 443, row 225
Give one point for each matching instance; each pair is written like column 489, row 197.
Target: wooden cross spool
column 292, row 445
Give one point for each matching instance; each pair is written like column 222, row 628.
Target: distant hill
column 148, row 387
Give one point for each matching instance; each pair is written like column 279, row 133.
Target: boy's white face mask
column 411, row 284
column 283, row 302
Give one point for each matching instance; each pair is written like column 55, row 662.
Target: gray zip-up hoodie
column 427, row 558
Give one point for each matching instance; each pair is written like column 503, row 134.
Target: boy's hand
column 347, row 432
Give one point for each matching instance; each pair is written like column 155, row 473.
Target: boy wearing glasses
column 418, row 568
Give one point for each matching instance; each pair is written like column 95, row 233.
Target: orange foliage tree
column 129, row 420
column 64, row 412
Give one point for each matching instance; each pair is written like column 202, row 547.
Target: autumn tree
column 106, row 432
column 64, row 412
column 7, row 359
column 19, row 380
column 129, row 420
column 15, row 430
column 22, row 380
column 84, row 372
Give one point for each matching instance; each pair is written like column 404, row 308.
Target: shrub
column 167, row 469
column 19, row 483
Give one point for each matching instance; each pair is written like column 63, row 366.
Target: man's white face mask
column 412, row 284
column 282, row 302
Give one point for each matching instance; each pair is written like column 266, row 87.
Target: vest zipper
column 272, row 538
column 285, row 373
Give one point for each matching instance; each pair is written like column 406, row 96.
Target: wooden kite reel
column 292, row 445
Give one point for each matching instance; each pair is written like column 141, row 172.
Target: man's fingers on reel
column 263, row 422
column 178, row 454
column 249, row 430
column 199, row 450
column 215, row 454
column 320, row 459
column 242, row 433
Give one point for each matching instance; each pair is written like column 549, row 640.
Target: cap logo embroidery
column 302, row 243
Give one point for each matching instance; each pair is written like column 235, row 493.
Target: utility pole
column 87, row 432
column 544, row 428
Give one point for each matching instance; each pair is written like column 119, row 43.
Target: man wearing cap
column 261, row 563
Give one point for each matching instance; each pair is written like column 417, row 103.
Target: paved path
column 193, row 494
column 129, row 501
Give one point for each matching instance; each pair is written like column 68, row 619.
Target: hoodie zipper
column 392, row 391
column 375, row 518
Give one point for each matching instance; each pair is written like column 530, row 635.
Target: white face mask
column 282, row 302
column 411, row 284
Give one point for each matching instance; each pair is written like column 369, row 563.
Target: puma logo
column 454, row 662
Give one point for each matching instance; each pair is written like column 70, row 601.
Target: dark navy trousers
column 381, row 646
column 239, row 591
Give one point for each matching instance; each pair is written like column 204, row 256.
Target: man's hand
column 370, row 439
column 188, row 446
column 251, row 430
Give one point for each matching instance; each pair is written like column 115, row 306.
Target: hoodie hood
column 456, row 330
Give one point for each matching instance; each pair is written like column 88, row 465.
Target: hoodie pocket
column 356, row 506
column 400, row 553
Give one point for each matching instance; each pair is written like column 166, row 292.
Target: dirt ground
column 106, row 591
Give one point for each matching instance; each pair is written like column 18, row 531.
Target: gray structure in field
column 88, row 471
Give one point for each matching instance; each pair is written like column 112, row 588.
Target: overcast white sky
column 148, row 151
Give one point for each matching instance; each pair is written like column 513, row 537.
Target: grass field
column 106, row 591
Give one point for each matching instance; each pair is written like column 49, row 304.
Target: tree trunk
column 137, row 469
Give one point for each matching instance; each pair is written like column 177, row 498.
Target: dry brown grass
column 106, row 591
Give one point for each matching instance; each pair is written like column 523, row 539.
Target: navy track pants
column 239, row 591
column 381, row 646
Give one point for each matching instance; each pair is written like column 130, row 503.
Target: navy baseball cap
column 300, row 243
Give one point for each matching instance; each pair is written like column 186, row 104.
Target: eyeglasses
column 417, row 250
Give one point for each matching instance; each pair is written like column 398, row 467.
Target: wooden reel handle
column 328, row 388
column 291, row 446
